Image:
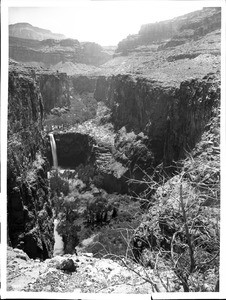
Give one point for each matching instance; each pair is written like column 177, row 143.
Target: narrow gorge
column 118, row 156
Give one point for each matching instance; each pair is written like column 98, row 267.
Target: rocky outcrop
column 51, row 52
column 30, row 225
column 94, row 54
column 198, row 100
column 172, row 118
column 67, row 266
column 102, row 86
column 27, row 31
column 84, row 84
column 180, row 30
column 55, row 90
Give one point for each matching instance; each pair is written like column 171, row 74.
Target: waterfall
column 53, row 149
column 59, row 244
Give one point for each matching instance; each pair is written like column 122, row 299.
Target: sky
column 103, row 22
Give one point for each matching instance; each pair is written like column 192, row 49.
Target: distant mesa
column 27, row 31
column 38, row 46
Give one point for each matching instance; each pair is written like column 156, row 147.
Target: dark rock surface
column 67, row 265
column 74, row 149
column 29, row 210
column 84, row 84
column 172, row 118
column 55, row 90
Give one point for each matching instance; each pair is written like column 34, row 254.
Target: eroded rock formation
column 172, row 118
column 84, row 84
column 50, row 52
column 174, row 32
column 30, row 225
column 55, row 90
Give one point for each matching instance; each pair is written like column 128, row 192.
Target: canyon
column 52, row 52
column 137, row 138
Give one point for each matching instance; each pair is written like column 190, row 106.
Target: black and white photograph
column 112, row 132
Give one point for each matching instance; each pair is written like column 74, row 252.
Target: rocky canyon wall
column 166, row 120
column 30, row 224
column 83, row 84
column 51, row 52
column 180, row 29
column 54, row 89
column 58, row 89
column 172, row 118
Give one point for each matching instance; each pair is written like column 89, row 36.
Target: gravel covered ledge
column 89, row 275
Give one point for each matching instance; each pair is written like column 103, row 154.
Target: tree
column 68, row 226
column 179, row 235
column 58, row 185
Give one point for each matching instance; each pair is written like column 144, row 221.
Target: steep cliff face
column 191, row 111
column 94, row 54
column 30, row 224
column 84, row 84
column 51, row 52
column 55, row 90
column 190, row 26
column 172, row 118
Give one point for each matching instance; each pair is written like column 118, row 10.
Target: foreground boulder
column 67, row 265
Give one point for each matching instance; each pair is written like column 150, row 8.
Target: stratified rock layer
column 181, row 29
column 26, row 30
column 51, row 52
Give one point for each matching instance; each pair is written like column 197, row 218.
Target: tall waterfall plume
column 53, row 149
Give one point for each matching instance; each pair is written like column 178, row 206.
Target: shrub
column 58, row 185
